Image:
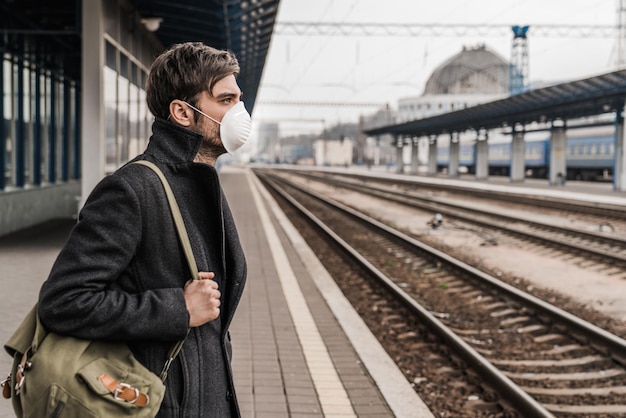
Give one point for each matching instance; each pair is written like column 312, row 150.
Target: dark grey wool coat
column 120, row 276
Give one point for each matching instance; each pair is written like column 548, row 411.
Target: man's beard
column 210, row 135
column 211, row 147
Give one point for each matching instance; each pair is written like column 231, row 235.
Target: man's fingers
column 206, row 275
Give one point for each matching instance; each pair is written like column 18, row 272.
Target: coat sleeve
column 82, row 296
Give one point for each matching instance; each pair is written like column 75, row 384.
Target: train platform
column 300, row 350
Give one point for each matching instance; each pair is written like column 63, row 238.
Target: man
column 122, row 274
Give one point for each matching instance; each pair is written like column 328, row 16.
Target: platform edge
column 393, row 385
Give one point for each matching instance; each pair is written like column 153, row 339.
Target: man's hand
column 202, row 298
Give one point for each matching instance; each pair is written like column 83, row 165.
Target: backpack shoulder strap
column 184, row 240
column 178, row 218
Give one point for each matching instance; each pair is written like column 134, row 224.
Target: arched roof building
column 470, row 77
column 471, row 71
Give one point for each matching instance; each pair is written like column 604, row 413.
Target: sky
column 303, row 70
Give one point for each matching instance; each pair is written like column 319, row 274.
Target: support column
column 453, row 158
column 432, row 155
column 65, row 131
column 557, row 171
column 414, row 155
column 360, row 144
column 482, row 155
column 3, row 140
column 93, row 139
column 518, row 154
column 377, row 152
column 37, row 131
column 619, row 166
column 52, row 130
column 76, row 141
column 20, row 128
column 399, row 152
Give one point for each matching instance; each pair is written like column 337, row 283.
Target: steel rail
column 511, row 392
column 615, row 346
column 546, row 201
column 430, row 205
column 411, row 198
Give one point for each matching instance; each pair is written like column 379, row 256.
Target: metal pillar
column 482, row 155
column 3, row 140
column 37, row 131
column 52, row 130
column 453, row 158
column 557, row 171
column 377, row 152
column 619, row 166
column 518, row 152
column 432, row 155
column 20, row 129
column 399, row 154
column 76, row 147
column 93, row 139
column 414, row 155
column 65, row 131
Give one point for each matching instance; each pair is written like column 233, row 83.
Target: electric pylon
column 518, row 67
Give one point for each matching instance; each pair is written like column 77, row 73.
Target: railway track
column 598, row 209
column 586, row 246
column 522, row 356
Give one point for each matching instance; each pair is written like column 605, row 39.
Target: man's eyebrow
column 226, row 95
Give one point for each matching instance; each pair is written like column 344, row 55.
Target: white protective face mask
column 235, row 127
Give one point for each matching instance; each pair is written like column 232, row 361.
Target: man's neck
column 207, row 156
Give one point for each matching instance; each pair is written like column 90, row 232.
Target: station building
column 73, row 76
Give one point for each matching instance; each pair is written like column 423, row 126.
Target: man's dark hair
column 183, row 72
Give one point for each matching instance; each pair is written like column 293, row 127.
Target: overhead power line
column 323, row 104
column 295, row 120
column 434, row 29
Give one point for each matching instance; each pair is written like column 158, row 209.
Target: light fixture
column 152, row 23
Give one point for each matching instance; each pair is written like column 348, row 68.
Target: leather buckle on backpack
column 123, row 392
column 20, row 374
column 120, row 388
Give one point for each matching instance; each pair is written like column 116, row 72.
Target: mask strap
column 201, row 112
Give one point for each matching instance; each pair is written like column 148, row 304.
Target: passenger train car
column 588, row 158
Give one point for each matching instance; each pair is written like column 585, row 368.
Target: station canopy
column 49, row 31
column 591, row 96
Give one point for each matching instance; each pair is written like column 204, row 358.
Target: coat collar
column 173, row 143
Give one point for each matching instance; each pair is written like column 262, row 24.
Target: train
column 588, row 158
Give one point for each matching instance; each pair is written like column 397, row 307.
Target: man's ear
column 180, row 113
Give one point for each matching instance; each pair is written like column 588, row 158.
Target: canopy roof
column 591, row 96
column 50, row 30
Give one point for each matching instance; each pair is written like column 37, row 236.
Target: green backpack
column 60, row 376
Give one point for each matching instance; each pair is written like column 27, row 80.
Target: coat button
column 229, row 395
